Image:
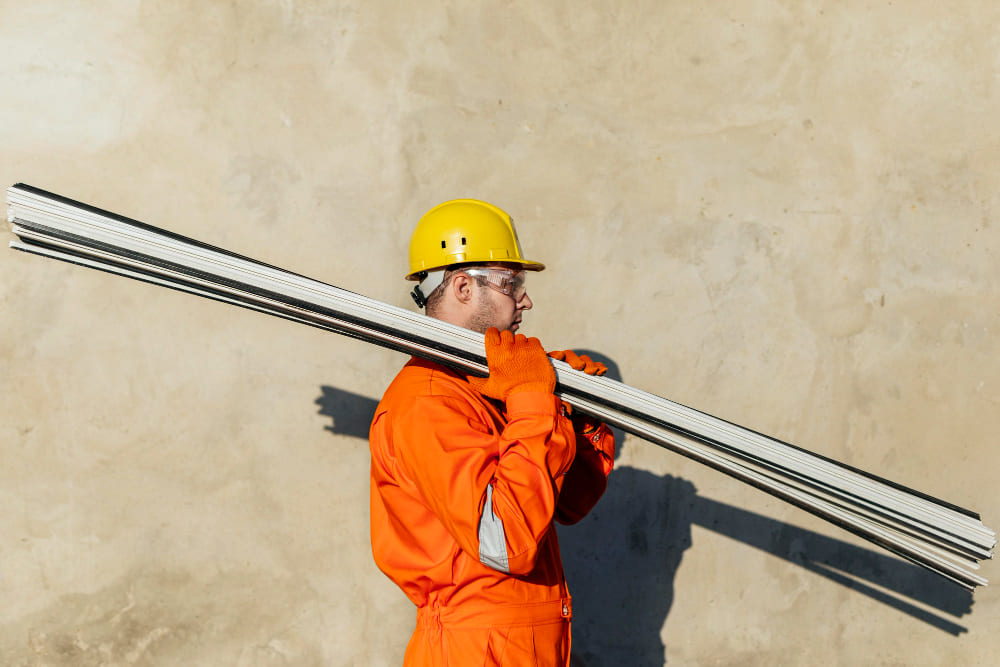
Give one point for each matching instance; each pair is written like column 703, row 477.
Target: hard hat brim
column 525, row 264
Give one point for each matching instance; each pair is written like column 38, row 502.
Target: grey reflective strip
column 492, row 542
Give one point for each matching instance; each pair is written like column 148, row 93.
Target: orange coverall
column 464, row 490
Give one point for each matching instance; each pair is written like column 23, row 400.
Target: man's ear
column 462, row 287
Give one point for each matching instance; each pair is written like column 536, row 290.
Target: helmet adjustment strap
column 419, row 297
column 429, row 281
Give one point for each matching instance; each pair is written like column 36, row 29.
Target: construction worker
column 469, row 473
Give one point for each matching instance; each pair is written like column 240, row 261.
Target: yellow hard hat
column 465, row 231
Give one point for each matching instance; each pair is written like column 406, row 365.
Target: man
column 468, row 473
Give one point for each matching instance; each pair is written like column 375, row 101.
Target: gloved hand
column 580, row 362
column 516, row 363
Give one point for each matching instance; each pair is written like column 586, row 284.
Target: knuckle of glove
column 535, row 372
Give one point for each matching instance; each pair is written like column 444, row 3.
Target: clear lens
column 505, row 281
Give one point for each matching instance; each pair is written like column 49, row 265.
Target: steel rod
column 938, row 535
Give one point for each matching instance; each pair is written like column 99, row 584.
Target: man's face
column 492, row 308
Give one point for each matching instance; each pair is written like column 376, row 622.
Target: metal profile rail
column 938, row 535
column 930, row 554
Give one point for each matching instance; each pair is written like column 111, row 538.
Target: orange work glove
column 516, row 364
column 580, row 362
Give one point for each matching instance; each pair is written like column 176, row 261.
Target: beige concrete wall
column 782, row 213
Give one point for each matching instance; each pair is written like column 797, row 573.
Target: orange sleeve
column 471, row 476
column 587, row 478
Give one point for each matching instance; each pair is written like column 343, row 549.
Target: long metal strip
column 110, row 232
column 271, row 269
column 324, row 286
column 33, row 243
column 860, row 525
column 756, row 447
column 202, row 259
column 54, row 226
column 39, row 244
column 838, row 479
column 900, row 545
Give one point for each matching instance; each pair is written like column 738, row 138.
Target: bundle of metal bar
column 942, row 537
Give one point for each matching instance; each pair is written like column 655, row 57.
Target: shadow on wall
column 621, row 560
column 351, row 413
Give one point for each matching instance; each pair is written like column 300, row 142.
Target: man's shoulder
column 423, row 378
column 422, row 388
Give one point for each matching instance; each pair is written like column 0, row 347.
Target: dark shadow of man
column 621, row 559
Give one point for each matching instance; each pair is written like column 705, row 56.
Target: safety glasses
column 505, row 281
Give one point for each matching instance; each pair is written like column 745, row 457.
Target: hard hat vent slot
column 442, row 243
column 463, row 241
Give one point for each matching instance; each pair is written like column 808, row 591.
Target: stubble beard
column 485, row 315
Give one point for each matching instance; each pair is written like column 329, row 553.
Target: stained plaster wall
column 782, row 213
